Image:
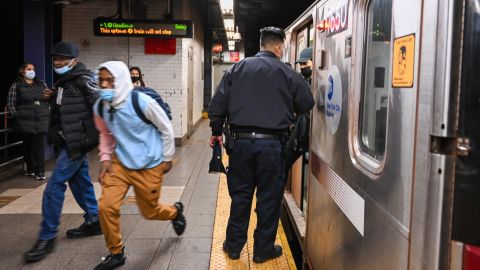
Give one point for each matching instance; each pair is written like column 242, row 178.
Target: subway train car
column 393, row 174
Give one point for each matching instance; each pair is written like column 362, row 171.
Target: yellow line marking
column 219, row 259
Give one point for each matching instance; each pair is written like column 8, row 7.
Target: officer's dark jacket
column 32, row 110
column 259, row 92
column 72, row 121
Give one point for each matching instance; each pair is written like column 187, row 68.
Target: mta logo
column 330, row 87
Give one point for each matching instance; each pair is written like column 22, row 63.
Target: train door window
column 376, row 81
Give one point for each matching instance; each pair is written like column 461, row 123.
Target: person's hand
column 47, row 93
column 105, row 167
column 214, row 139
column 167, row 165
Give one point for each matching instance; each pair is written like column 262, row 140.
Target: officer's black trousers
column 255, row 164
column 34, row 152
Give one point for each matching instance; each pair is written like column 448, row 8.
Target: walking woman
column 31, row 113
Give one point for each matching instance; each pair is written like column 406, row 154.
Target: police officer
column 259, row 96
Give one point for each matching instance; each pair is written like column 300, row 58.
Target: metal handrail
column 10, row 145
column 5, row 131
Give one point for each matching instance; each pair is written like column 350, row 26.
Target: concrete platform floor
column 149, row 244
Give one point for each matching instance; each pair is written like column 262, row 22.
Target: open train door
column 466, row 206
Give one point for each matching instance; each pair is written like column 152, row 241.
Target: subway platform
column 149, row 244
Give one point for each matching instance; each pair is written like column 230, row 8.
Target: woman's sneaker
column 29, row 173
column 40, row 176
column 179, row 223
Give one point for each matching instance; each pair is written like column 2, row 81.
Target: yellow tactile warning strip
column 219, row 259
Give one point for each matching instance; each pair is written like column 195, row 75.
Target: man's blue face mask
column 64, row 69
column 107, row 94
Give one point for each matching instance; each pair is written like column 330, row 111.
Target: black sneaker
column 40, row 176
column 29, row 173
column 85, row 230
column 179, row 223
column 40, row 250
column 273, row 254
column 231, row 254
column 112, row 261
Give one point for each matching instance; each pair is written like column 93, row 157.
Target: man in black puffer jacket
column 73, row 131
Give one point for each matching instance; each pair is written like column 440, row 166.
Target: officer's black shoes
column 112, row 261
column 231, row 254
column 40, row 250
column 273, row 254
column 85, row 230
column 179, row 223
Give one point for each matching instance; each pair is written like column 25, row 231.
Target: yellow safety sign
column 403, row 62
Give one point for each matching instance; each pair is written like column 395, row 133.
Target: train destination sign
column 108, row 27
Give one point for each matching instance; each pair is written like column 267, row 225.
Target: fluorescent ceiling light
column 228, row 24
column 226, row 6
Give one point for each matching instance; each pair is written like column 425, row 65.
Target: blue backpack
column 147, row 91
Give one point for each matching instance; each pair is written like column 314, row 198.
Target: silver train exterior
column 385, row 136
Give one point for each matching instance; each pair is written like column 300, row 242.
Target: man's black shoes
column 40, row 250
column 85, row 230
column 179, row 223
column 232, row 255
column 112, row 261
column 273, row 254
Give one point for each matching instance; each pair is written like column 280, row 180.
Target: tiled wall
column 165, row 73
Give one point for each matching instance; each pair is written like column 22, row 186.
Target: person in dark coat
column 72, row 130
column 31, row 113
column 259, row 96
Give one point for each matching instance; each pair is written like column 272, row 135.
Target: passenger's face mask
column 30, row 74
column 107, row 94
column 64, row 69
column 306, row 72
column 135, row 79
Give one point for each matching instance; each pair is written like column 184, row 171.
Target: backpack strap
column 100, row 108
column 137, row 108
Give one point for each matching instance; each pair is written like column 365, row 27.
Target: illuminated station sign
column 108, row 27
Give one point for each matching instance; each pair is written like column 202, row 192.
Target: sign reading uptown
column 108, row 27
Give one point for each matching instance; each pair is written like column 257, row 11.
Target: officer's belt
column 254, row 135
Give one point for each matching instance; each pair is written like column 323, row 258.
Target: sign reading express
column 145, row 28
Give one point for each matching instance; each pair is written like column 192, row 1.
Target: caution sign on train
column 403, row 62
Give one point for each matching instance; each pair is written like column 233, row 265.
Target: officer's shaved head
column 271, row 39
column 269, row 35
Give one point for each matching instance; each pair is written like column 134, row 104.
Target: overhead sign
column 108, row 27
column 403, row 62
column 336, row 19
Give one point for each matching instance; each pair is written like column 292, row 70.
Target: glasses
column 108, row 80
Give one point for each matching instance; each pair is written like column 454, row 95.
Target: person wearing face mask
column 73, row 131
column 298, row 141
column 137, row 78
column 259, row 96
column 305, row 62
column 31, row 113
column 126, row 160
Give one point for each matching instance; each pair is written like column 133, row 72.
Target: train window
column 376, row 82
